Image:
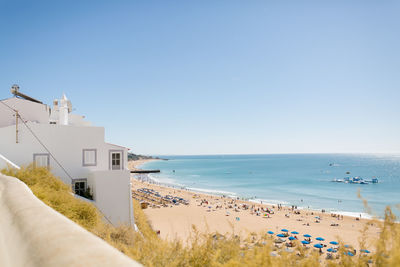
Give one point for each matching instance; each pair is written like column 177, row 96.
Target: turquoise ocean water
column 294, row 179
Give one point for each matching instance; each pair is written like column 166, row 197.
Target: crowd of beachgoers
column 288, row 240
column 284, row 238
column 223, row 214
column 217, row 213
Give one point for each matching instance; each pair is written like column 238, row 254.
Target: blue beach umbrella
column 320, row 239
column 334, row 243
column 295, row 232
column 318, row 246
column 285, row 230
column 305, row 242
column 280, row 235
column 365, row 250
column 307, row 235
column 349, row 253
column 270, row 232
column 292, row 238
column 346, row 246
column 331, row 250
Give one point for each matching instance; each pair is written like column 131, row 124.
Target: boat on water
column 356, row 180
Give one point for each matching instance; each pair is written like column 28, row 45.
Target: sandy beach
column 135, row 164
column 210, row 214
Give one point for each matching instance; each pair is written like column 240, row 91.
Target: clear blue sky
column 207, row 77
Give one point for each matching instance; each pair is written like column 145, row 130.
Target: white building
column 71, row 147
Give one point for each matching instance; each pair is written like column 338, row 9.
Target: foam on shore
column 213, row 192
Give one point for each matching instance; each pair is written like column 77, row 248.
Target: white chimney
column 63, row 113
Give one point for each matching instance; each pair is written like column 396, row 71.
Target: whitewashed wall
column 66, row 143
column 118, row 207
column 27, row 109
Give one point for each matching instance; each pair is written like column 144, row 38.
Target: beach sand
column 133, row 165
column 175, row 221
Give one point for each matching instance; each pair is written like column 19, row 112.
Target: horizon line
column 283, row 153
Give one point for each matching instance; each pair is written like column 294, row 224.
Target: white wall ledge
column 33, row 234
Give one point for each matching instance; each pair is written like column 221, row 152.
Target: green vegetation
column 202, row 249
column 132, row 156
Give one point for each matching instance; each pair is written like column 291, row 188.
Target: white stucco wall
column 29, row 110
column 78, row 120
column 112, row 195
column 32, row 234
column 66, row 143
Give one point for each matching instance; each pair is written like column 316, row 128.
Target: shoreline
column 137, row 164
column 215, row 213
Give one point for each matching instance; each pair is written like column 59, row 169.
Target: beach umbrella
column 346, row 246
column 292, row 238
column 331, row 250
column 365, row 250
column 349, row 253
column 285, row 230
column 295, row 232
column 334, row 243
column 305, row 242
column 307, row 235
column 270, row 232
column 320, row 239
column 318, row 246
column 280, row 235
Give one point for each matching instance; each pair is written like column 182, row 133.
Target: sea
column 302, row 180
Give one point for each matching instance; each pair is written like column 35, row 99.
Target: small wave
column 164, row 180
column 212, row 191
column 269, row 201
column 354, row 214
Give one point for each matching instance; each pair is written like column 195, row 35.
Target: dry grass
column 203, row 249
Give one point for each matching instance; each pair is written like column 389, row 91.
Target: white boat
column 355, row 180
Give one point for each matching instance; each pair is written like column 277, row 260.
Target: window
column 41, row 160
column 80, row 188
column 116, row 160
column 89, row 157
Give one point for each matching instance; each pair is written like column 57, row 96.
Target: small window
column 41, row 160
column 89, row 157
column 80, row 188
column 116, row 160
